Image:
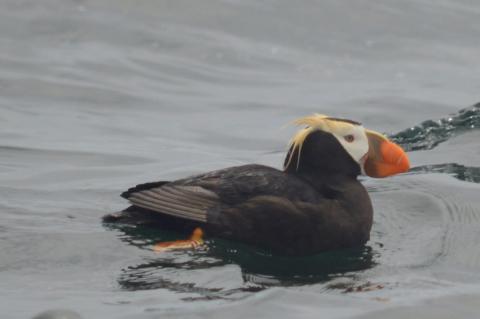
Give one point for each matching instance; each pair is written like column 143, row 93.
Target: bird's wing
column 206, row 197
column 182, row 201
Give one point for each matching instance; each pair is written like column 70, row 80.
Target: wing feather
column 168, row 211
column 188, row 202
column 185, row 195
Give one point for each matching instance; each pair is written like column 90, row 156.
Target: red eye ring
column 349, row 138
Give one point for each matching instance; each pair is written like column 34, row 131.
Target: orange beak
column 384, row 158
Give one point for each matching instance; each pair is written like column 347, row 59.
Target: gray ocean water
column 97, row 96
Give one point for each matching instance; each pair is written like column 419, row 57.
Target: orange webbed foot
column 195, row 241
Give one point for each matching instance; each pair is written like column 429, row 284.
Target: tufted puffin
column 315, row 203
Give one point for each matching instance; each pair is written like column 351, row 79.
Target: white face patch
column 354, row 140
column 351, row 135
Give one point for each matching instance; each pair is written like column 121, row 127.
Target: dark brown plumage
column 315, row 204
column 292, row 212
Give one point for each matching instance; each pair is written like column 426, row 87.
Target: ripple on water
column 429, row 134
column 230, row 270
column 462, row 172
column 433, row 224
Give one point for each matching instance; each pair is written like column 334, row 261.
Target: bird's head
column 332, row 145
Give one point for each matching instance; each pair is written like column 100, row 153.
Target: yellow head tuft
column 313, row 123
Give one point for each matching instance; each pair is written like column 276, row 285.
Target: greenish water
column 430, row 133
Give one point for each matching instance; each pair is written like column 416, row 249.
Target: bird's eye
column 349, row 138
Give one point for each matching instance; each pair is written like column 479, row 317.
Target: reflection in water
column 429, row 134
column 259, row 269
column 464, row 173
column 267, row 269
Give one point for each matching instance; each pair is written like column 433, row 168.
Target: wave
column 430, row 133
column 461, row 172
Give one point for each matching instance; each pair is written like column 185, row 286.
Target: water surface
column 97, row 96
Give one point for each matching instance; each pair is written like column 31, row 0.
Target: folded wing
column 182, row 201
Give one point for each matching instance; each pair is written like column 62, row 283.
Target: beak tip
column 404, row 164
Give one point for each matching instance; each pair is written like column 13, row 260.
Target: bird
column 315, row 203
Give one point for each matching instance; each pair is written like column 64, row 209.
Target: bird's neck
column 327, row 182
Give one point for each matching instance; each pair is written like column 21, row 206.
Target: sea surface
column 97, row 96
